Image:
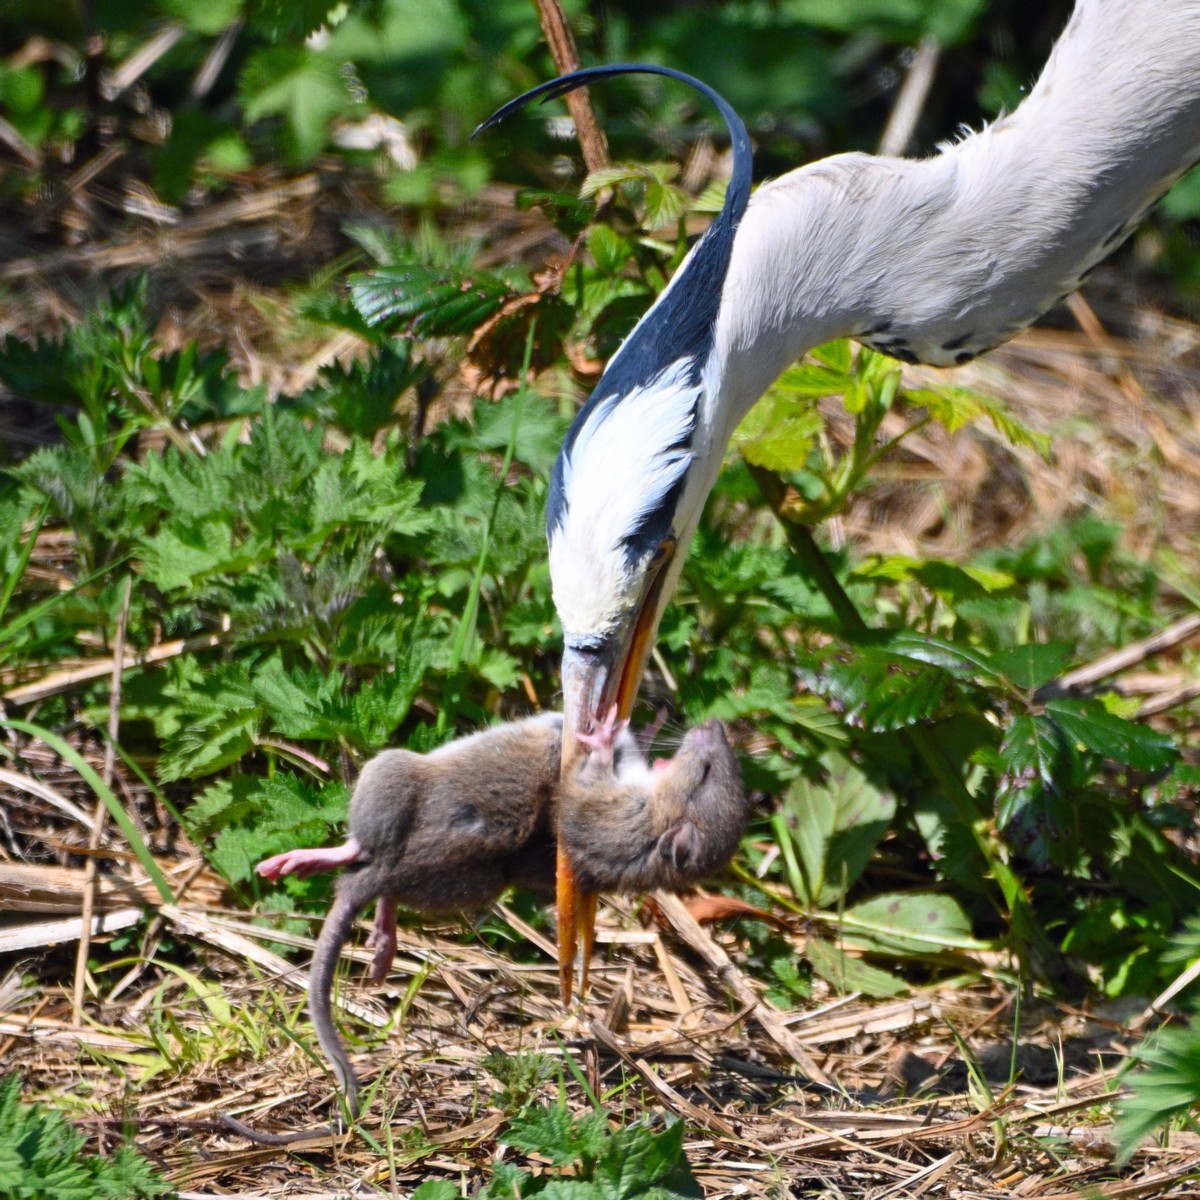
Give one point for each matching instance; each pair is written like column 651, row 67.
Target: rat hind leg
column 303, row 863
column 383, row 937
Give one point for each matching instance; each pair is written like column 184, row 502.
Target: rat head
column 705, row 763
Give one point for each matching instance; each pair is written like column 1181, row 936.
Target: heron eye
column 665, row 551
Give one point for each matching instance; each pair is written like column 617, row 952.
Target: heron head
column 631, row 479
column 620, row 507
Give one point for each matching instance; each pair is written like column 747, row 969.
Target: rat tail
column 353, row 892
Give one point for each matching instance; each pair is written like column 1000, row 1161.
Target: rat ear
column 680, row 845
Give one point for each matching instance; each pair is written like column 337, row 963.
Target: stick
column 676, row 912
column 1121, row 660
column 566, row 59
column 902, row 124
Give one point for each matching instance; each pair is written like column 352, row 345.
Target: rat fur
column 450, row 830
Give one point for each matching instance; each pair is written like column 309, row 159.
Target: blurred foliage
column 192, row 98
column 209, row 89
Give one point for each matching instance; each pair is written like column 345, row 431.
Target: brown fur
column 450, row 830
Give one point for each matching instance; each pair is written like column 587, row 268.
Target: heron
column 931, row 260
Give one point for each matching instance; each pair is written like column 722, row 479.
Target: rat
column 451, row 829
column 630, row 827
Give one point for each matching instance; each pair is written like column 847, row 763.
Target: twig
column 1121, row 660
column 1168, row 700
column 62, row 681
column 902, row 124
column 44, row 791
column 566, row 59
column 702, row 1117
column 141, row 60
column 727, row 973
column 213, row 64
column 101, row 812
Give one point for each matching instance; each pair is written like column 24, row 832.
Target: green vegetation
column 41, row 1159
column 361, row 563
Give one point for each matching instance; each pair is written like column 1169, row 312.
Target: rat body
column 451, row 829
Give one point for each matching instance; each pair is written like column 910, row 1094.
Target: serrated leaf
column 778, row 433
column 437, row 1189
column 609, row 250
column 955, row 407
column 1033, row 664
column 1167, row 1086
column 813, row 379
column 665, row 204
column 836, row 355
column 1031, row 806
column 638, row 1157
column 1088, row 724
column 878, row 689
column 951, row 580
column 551, row 1131
column 186, row 551
column 607, row 178
column 429, row 301
column 302, row 87
column 849, row 974
column 1032, row 749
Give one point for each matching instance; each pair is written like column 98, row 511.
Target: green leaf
column 835, row 355
column 834, row 825
column 42, row 1158
column 878, row 689
column 1032, row 750
column 551, row 1131
column 426, row 301
column 186, row 552
column 303, row 87
column 664, row 205
column 1033, row 664
column 1035, row 770
column 1088, row 724
column 908, row 923
column 211, row 18
column 638, row 1157
column 812, row 379
column 1166, row 1088
column 609, row 250
column 778, row 432
column 850, row 974
column 955, row 407
column 436, row 1189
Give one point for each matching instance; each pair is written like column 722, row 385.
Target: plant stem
column 566, row 59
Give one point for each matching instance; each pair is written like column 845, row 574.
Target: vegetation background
column 286, row 362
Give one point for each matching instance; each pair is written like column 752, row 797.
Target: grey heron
column 932, row 260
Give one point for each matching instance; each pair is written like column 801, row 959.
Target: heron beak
column 593, row 681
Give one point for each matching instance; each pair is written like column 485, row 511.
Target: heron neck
column 937, row 260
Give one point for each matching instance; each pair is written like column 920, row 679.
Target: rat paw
column 601, row 743
column 303, row 863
